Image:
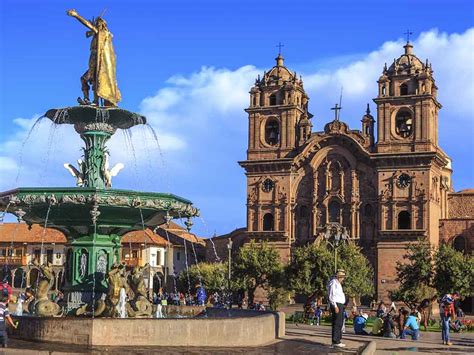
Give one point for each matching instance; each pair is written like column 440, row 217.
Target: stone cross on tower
column 336, row 109
column 279, row 45
column 408, row 33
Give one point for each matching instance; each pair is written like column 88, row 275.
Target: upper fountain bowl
column 95, row 118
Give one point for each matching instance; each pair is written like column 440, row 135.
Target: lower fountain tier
column 90, row 210
column 218, row 328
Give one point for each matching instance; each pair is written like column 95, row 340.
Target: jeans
column 445, row 328
column 337, row 320
column 415, row 333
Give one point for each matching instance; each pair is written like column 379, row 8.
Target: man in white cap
column 337, row 300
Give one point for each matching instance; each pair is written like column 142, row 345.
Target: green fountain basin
column 73, row 208
column 115, row 116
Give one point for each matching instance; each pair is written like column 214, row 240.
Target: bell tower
column 413, row 172
column 279, row 125
column 407, row 106
column 278, row 117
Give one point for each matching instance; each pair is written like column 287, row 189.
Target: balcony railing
column 15, row 260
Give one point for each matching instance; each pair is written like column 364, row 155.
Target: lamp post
column 335, row 235
column 229, row 248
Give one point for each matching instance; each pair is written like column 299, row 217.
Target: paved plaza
column 299, row 339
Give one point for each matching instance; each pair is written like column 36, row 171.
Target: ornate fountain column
column 94, row 155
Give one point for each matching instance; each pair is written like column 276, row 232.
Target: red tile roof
column 20, row 233
column 181, row 232
column 143, row 237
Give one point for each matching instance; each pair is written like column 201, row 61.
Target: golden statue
column 101, row 74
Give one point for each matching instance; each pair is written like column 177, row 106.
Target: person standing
column 337, row 300
column 201, row 295
column 446, row 311
column 425, row 309
column 4, row 319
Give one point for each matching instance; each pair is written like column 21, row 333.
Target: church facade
column 388, row 183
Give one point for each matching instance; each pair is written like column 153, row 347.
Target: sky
column 188, row 66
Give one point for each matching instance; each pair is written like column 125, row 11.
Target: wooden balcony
column 13, row 260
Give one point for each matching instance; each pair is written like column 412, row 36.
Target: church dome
column 279, row 72
column 407, row 62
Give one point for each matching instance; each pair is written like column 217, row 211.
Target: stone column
column 259, row 217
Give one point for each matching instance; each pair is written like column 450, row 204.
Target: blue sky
column 188, row 66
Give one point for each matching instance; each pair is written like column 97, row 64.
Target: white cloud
column 451, row 55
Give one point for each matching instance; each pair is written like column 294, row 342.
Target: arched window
column 268, row 222
column 272, row 132
column 404, row 220
column 303, row 211
column 334, row 212
column 403, row 123
column 368, row 211
column 254, row 101
column 403, row 89
column 273, row 100
column 459, row 243
column 384, row 90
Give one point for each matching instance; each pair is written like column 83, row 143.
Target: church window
column 272, row 132
column 403, row 123
column 459, row 243
column 384, row 90
column 366, row 130
column 334, row 212
column 303, row 211
column 404, row 220
column 403, row 89
column 273, row 100
column 268, row 222
column 254, row 101
column 368, row 211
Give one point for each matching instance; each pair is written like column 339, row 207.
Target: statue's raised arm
column 73, row 13
column 101, row 74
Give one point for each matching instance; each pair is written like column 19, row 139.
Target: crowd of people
column 389, row 322
column 404, row 323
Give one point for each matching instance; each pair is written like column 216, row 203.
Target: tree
column 312, row 266
column 256, row 265
column 359, row 279
column 310, row 269
column 211, row 275
column 415, row 275
column 454, row 271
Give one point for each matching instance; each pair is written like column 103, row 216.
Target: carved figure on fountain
column 42, row 306
column 140, row 303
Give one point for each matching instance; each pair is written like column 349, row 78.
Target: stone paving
column 299, row 339
column 430, row 342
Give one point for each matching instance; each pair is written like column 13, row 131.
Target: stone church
column 388, row 184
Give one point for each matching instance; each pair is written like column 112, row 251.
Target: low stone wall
column 218, row 328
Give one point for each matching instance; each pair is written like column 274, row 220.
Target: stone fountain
column 94, row 217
